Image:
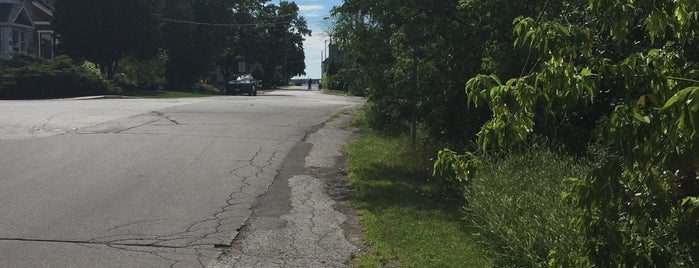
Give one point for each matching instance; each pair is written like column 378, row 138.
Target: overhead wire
column 225, row 24
column 231, row 24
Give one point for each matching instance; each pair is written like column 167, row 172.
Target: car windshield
column 244, row 77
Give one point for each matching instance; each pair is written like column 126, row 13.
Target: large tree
column 269, row 34
column 106, row 31
column 283, row 38
column 195, row 33
column 417, row 55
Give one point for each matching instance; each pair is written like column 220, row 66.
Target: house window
column 19, row 40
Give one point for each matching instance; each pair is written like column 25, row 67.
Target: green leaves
column 687, row 96
column 512, row 106
column 460, row 168
column 633, row 204
column 625, row 68
column 684, row 108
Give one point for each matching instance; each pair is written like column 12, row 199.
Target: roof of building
column 42, row 11
column 48, row 3
column 14, row 13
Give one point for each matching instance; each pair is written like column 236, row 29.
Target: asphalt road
column 143, row 183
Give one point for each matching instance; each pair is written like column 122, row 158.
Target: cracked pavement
column 164, row 184
column 313, row 231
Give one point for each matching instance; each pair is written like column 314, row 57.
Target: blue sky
column 315, row 11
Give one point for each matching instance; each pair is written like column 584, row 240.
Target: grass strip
column 405, row 224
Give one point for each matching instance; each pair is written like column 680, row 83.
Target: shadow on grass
column 161, row 94
column 407, row 223
column 388, row 186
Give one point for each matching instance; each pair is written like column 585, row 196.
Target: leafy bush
column 455, row 171
column 148, row 74
column 517, row 204
column 29, row 77
column 351, row 80
column 204, row 87
column 386, row 115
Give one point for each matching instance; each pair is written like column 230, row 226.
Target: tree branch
column 683, row 79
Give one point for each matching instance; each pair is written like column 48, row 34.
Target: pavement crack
column 130, row 224
column 81, row 242
column 167, row 117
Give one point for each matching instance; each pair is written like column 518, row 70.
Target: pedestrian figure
column 310, row 82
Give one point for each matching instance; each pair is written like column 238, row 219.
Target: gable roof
column 44, row 8
column 48, row 3
column 15, row 13
column 41, row 12
column 23, row 17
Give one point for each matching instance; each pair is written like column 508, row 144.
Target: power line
column 225, row 24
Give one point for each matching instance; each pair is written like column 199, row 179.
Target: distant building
column 25, row 26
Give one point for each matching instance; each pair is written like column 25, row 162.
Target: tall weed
column 517, row 204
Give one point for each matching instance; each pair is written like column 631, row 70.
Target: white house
column 25, row 25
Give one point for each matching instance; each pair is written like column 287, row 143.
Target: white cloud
column 305, row 8
column 312, row 11
column 314, row 42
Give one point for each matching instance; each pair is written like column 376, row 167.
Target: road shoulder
column 319, row 228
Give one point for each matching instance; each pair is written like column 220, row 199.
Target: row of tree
column 614, row 81
column 414, row 57
column 190, row 37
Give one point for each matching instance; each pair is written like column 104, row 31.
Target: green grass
column 162, row 94
column 334, row 116
column 405, row 224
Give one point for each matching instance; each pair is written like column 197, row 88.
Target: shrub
column 204, row 87
column 517, row 204
column 29, row 77
column 387, row 115
column 352, row 80
column 144, row 74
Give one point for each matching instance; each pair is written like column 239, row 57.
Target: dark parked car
column 244, row 83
